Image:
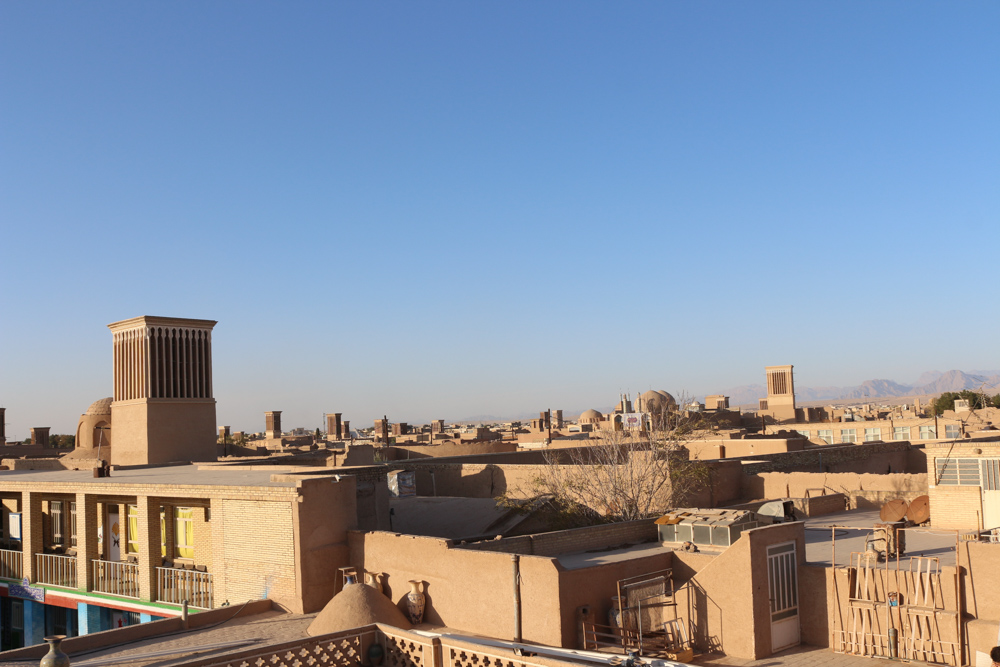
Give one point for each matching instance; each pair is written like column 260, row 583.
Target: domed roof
column 355, row 606
column 653, row 401
column 591, row 415
column 101, row 407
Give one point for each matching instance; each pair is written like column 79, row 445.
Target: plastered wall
column 466, row 589
column 326, row 513
column 862, row 490
column 726, row 599
column 573, row 540
column 406, row 451
column 595, row 586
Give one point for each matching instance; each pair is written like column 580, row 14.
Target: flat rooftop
column 182, row 475
column 853, row 527
column 844, row 531
column 576, row 561
column 270, row 627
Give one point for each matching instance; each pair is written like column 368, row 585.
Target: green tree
column 977, row 400
column 62, row 441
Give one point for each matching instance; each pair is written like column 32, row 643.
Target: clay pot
column 371, row 579
column 375, row 654
column 415, row 601
column 55, row 657
column 350, row 579
column 614, row 614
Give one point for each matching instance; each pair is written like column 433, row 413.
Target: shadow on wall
column 452, row 481
column 704, row 613
column 814, row 614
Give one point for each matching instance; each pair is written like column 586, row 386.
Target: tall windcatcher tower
column 780, row 392
column 163, row 408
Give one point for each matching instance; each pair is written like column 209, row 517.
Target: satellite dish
column 894, row 510
column 920, row 510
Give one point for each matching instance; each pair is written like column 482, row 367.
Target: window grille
column 957, row 472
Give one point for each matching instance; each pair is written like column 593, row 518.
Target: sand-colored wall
column 716, row 598
column 721, row 486
column 405, row 451
column 815, row 604
column 980, row 581
column 573, row 540
column 148, row 431
column 595, row 586
column 956, row 507
column 33, row 464
column 730, row 448
column 862, row 490
column 256, row 550
column 476, row 480
column 873, row 457
column 727, row 599
column 466, row 589
column 321, row 520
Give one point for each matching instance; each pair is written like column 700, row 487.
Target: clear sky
column 439, row 210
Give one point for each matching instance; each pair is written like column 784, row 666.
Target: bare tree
column 626, row 474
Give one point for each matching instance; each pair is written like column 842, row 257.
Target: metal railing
column 11, row 564
column 174, row 586
column 55, row 570
column 115, row 578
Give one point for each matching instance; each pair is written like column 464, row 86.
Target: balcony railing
column 55, row 570
column 11, row 564
column 115, row 578
column 174, row 586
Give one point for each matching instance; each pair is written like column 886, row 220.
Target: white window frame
column 952, row 431
column 826, row 435
column 849, row 435
column 928, row 433
column 959, row 471
column 58, row 522
column 873, row 434
column 72, row 523
column 900, row 432
column 180, row 533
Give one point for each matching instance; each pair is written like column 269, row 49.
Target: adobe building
column 137, row 544
column 780, row 402
column 93, row 431
column 272, row 424
column 163, row 409
column 334, row 426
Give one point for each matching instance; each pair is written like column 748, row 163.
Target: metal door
column 783, row 586
column 990, row 482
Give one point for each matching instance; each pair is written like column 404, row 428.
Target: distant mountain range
column 931, row 382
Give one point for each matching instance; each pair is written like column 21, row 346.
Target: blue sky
column 437, row 210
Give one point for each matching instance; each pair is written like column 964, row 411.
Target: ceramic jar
column 614, row 614
column 55, row 657
column 371, row 579
column 415, row 601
